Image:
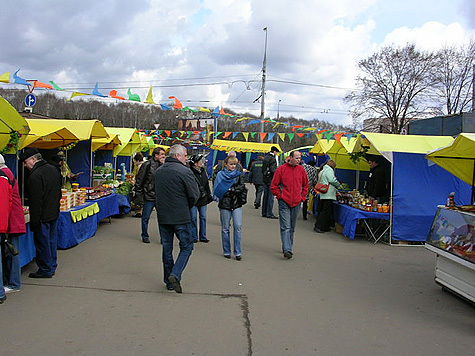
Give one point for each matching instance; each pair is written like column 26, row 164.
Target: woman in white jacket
column 325, row 204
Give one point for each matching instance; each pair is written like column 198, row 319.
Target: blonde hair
column 230, row 159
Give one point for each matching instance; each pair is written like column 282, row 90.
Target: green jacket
column 327, row 176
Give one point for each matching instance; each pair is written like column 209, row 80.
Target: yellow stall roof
column 105, row 143
column 82, row 129
column 11, row 120
column 241, row 146
column 386, row 144
column 457, row 158
column 131, row 140
column 47, row 136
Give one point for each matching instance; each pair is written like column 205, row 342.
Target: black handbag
column 8, row 248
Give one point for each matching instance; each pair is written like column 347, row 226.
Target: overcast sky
column 210, row 52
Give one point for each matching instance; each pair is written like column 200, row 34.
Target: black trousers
column 325, row 214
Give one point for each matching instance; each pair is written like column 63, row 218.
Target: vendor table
column 26, row 247
column 72, row 233
column 348, row 216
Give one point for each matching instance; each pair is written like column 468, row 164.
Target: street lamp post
column 278, row 106
column 264, row 64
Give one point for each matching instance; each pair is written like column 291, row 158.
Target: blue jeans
column 46, row 241
column 11, row 275
column 146, row 212
column 194, row 222
column 267, row 202
column 226, row 216
column 183, row 233
column 287, row 221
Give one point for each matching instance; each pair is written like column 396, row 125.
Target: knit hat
column 196, row 158
column 28, row 152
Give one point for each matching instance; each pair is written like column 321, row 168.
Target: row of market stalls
column 417, row 186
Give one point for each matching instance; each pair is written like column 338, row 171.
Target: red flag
column 38, row 84
column 177, row 103
column 263, row 135
column 113, row 94
column 226, row 134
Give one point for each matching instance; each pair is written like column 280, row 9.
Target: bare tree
column 453, row 78
column 391, row 86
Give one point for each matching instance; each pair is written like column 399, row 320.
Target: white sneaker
column 10, row 290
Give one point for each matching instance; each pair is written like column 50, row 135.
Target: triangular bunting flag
column 177, row 103
column 270, row 136
column 165, row 107
column 96, row 92
column 235, row 134
column 149, row 98
column 226, row 134
column 133, row 97
column 113, row 94
column 262, row 135
column 19, row 80
column 253, row 134
column 300, row 134
column 55, row 86
column 5, row 77
column 290, row 136
column 75, row 93
column 37, row 84
column 246, row 135
column 282, row 136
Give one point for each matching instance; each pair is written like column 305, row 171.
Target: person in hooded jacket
column 196, row 166
column 231, row 192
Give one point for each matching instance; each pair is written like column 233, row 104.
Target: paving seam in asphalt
column 242, row 297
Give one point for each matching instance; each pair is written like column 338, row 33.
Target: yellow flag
column 282, row 136
column 5, row 77
column 149, row 99
column 202, row 109
column 75, row 93
column 246, row 135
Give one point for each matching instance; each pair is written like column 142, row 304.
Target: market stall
column 245, row 151
column 79, row 157
column 452, row 235
column 416, row 188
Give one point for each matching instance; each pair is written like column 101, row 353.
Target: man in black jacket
column 376, row 186
column 145, row 187
column 44, row 187
column 255, row 177
column 176, row 193
column 269, row 166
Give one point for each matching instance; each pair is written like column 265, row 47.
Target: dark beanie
column 28, row 152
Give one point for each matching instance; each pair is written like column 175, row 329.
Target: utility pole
column 473, row 88
column 263, row 84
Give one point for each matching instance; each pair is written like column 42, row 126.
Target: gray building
column 450, row 125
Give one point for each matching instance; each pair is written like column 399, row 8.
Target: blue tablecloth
column 71, row 234
column 27, row 247
column 124, row 203
column 347, row 216
column 108, row 206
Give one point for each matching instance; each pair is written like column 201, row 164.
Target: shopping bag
column 321, row 188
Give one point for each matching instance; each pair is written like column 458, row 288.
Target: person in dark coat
column 196, row 166
column 269, row 166
column 176, row 192
column 44, row 187
column 376, row 187
column 256, row 178
column 145, row 188
column 231, row 192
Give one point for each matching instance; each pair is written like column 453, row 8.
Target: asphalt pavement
column 334, row 297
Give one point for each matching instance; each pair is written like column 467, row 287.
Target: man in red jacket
column 16, row 227
column 290, row 186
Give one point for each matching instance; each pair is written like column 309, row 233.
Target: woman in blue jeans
column 232, row 195
column 196, row 166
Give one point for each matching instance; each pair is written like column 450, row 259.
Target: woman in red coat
column 16, row 227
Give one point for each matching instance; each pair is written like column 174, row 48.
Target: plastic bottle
column 451, row 200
